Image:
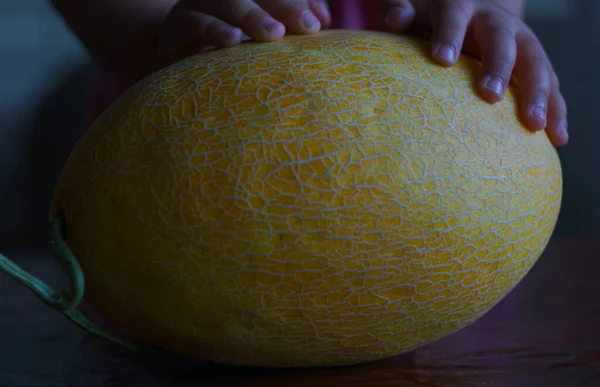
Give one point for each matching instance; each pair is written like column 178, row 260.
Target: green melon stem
column 65, row 301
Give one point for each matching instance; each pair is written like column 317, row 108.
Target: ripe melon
column 321, row 200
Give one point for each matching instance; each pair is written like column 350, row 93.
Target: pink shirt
column 346, row 14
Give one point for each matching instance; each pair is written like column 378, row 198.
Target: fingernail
column 494, row 85
column 270, row 25
column 231, row 33
column 562, row 129
column 447, row 53
column 309, row 21
column 394, row 17
column 539, row 112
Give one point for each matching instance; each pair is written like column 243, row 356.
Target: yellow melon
column 321, row 200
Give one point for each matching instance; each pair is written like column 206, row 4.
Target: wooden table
column 545, row 333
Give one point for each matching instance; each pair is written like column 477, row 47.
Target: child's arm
column 119, row 34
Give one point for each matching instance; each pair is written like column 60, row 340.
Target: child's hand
column 496, row 34
column 193, row 25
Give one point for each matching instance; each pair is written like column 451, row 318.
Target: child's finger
column 321, row 10
column 207, row 30
column 397, row 15
column 450, row 22
column 557, row 114
column 495, row 35
column 188, row 32
column 245, row 14
column 297, row 15
column 531, row 68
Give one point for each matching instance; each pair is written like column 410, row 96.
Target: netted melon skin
column 322, row 200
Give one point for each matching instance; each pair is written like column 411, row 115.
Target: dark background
column 545, row 333
column 46, row 80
